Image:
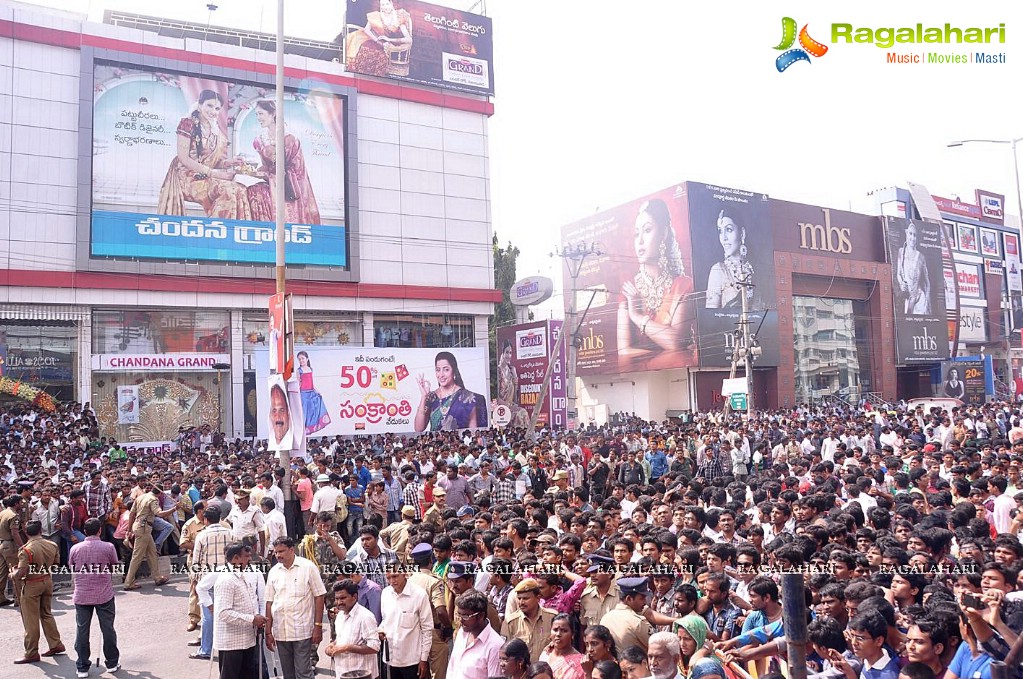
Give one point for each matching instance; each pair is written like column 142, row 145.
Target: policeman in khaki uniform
column 422, row 557
column 143, row 512
column 625, row 621
column 10, row 543
column 532, row 622
column 35, row 559
column 602, row 594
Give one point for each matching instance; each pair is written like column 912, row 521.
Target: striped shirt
column 358, row 628
column 211, row 546
column 291, row 593
column 238, row 598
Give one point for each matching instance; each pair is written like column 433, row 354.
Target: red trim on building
column 69, row 39
column 83, row 280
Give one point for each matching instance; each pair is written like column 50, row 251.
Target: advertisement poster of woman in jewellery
column 733, row 248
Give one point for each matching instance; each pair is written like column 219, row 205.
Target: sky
column 598, row 103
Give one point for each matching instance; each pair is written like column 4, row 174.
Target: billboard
column 365, row 390
column 964, row 380
column 915, row 252
column 636, row 300
column 731, row 231
column 524, row 352
column 184, row 169
column 992, row 206
column 420, row 42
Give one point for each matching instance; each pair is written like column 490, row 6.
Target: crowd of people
column 636, row 549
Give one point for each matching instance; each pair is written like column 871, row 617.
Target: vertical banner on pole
column 282, row 338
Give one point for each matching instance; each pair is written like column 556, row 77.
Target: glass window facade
column 833, row 355
column 41, row 353
column 423, row 331
column 170, row 331
column 321, row 332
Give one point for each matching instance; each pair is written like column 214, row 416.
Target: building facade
column 96, row 293
column 840, row 304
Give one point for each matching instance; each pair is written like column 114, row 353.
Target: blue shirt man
column 658, row 464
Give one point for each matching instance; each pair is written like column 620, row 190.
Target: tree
column 504, row 313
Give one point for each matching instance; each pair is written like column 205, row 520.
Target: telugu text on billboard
column 420, row 42
column 733, row 256
column 365, row 390
column 184, row 168
column 525, row 352
column 915, row 252
column 636, row 300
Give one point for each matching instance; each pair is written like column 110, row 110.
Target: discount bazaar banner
column 367, row 390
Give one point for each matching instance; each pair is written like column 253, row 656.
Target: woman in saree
column 451, row 406
column 912, row 277
column 508, row 387
column 729, row 279
column 299, row 201
column 658, row 313
column 564, row 660
column 201, row 171
column 364, row 49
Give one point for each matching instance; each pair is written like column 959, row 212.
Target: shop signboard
column 183, row 169
column 190, row 362
column 420, row 42
column 367, row 390
column 524, row 353
column 992, row 206
column 972, row 327
column 970, row 279
column 915, row 252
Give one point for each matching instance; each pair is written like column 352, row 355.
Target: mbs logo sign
column 825, row 237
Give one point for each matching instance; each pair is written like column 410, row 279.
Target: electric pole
column 746, row 348
column 574, row 255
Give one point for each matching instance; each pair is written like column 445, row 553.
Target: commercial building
column 136, row 240
column 840, row 304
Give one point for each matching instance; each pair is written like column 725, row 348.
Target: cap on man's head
column 409, row 511
column 629, row 586
column 461, row 569
column 561, row 475
column 422, row 548
column 466, row 510
column 599, row 562
column 322, row 478
column 546, row 539
column 527, row 585
column 439, row 492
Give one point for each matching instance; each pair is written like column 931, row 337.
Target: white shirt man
column 245, row 523
column 407, row 621
column 274, row 525
column 356, row 627
column 325, row 498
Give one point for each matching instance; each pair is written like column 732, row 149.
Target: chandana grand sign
column 143, row 362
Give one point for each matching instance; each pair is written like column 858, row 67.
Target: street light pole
column 574, row 255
